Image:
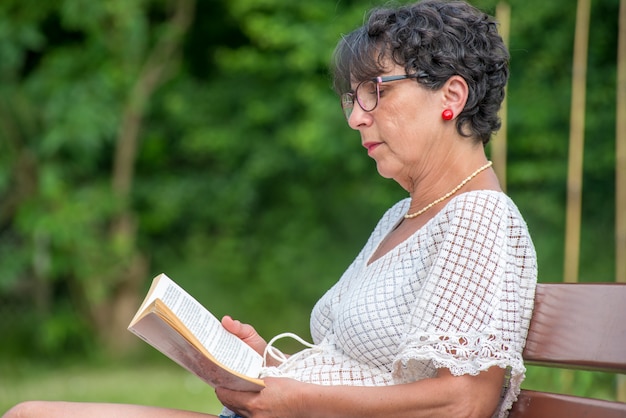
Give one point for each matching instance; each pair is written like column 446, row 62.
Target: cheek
column 400, row 117
column 410, row 109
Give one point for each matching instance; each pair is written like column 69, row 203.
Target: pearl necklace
column 450, row 193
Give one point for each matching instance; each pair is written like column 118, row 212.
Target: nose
column 359, row 118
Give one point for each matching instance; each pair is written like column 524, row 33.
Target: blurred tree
column 77, row 79
column 131, row 145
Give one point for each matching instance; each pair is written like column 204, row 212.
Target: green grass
column 161, row 385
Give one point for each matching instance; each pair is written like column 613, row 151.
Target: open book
column 177, row 325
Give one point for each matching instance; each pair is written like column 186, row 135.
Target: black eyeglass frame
column 348, row 98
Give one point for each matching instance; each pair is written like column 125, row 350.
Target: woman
column 431, row 317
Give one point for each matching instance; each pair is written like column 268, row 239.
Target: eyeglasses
column 367, row 93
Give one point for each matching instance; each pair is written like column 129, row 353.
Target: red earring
column 447, row 114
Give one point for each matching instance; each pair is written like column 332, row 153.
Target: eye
column 369, row 88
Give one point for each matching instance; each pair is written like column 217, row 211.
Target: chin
column 384, row 173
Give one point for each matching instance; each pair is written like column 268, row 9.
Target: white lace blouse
column 457, row 294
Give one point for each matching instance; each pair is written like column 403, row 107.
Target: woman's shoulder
column 490, row 216
column 479, row 209
column 474, row 205
column 483, row 202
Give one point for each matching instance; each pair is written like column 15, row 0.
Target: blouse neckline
column 404, row 203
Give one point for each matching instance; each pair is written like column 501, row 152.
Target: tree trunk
column 620, row 168
column 576, row 144
column 128, row 274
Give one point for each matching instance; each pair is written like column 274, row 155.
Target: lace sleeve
column 473, row 310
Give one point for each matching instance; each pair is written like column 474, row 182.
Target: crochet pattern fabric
column 457, row 294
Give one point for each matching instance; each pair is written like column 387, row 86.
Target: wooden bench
column 575, row 326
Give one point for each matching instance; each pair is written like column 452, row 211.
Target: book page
column 224, row 346
column 185, row 350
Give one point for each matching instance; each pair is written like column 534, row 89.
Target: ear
column 455, row 92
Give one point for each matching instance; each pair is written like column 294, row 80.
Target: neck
column 457, row 178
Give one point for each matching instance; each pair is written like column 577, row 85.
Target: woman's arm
column 442, row 396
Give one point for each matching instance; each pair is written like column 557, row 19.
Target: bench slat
column 575, row 326
column 580, row 326
column 531, row 404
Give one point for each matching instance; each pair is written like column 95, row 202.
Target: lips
column 371, row 146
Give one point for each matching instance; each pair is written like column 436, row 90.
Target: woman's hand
column 246, row 333
column 278, row 399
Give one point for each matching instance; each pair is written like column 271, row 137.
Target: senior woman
column 431, row 317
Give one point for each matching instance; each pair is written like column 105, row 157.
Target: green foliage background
column 247, row 186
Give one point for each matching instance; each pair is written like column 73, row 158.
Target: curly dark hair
column 441, row 39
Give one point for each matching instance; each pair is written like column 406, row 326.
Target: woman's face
column 401, row 134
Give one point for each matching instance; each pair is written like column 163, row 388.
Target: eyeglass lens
column 347, row 104
column 366, row 94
